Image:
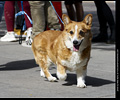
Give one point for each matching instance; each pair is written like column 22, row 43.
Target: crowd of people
column 43, row 15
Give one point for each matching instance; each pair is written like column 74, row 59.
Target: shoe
column 111, row 39
column 100, row 38
column 10, row 36
column 17, row 36
column 23, row 35
column 28, row 39
column 18, row 33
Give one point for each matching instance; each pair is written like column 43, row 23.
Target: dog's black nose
column 75, row 42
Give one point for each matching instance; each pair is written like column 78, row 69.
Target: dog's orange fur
column 49, row 46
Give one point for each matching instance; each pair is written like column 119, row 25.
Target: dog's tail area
column 34, row 51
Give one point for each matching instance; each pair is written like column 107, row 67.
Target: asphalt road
column 19, row 75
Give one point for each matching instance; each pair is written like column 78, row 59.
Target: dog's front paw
column 81, row 85
column 52, row 79
column 61, row 76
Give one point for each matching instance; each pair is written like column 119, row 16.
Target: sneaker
column 100, row 38
column 10, row 36
column 28, row 37
column 18, row 33
column 17, row 36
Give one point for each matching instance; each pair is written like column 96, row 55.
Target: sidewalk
column 19, row 75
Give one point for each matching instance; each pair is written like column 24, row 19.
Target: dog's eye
column 81, row 33
column 71, row 32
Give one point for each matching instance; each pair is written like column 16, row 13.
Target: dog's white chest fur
column 74, row 62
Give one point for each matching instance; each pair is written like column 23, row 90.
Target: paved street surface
column 19, row 75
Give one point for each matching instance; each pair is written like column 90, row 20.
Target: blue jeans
column 1, row 9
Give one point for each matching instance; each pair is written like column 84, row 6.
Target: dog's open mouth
column 76, row 47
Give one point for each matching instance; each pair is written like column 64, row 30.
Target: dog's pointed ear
column 88, row 20
column 66, row 19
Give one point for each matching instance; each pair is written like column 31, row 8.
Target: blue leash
column 24, row 25
column 56, row 12
column 22, row 13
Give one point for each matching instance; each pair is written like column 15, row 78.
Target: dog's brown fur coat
column 49, row 46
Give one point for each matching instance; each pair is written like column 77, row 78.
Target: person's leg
column 19, row 18
column 70, row 9
column 51, row 17
column 110, row 19
column 79, row 11
column 103, row 35
column 9, row 12
column 108, row 13
column 26, row 8
column 38, row 17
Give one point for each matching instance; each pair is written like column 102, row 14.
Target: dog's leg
column 46, row 72
column 42, row 73
column 48, row 75
column 61, row 72
column 81, row 73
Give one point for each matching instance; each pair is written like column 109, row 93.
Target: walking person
column 43, row 15
column 9, row 11
column 105, row 17
column 77, row 13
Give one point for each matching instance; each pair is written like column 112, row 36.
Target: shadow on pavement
column 71, row 78
column 18, row 65
column 90, row 81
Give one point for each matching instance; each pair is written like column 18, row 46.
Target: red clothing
column 9, row 11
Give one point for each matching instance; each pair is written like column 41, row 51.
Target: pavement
column 19, row 75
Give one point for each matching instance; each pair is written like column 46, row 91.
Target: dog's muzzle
column 76, row 45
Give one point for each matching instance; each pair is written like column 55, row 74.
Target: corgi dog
column 68, row 49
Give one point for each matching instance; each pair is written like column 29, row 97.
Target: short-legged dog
column 68, row 49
